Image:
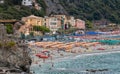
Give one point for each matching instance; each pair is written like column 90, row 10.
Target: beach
column 62, row 55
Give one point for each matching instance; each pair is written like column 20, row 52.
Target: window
column 53, row 23
column 55, row 19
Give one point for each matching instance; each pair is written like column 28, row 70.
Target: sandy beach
column 62, row 55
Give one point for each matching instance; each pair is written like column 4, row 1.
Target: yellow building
column 30, row 21
column 33, row 20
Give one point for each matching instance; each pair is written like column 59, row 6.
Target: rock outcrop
column 13, row 53
column 54, row 7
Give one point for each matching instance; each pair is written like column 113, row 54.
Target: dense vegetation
column 84, row 9
column 42, row 29
column 7, row 44
column 9, row 28
column 93, row 9
column 12, row 9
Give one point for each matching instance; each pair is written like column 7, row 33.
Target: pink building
column 80, row 24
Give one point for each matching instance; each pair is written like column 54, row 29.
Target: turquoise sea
column 110, row 62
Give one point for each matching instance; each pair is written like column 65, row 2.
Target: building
column 32, row 3
column 27, row 2
column 1, row 1
column 37, row 7
column 100, row 23
column 30, row 21
column 80, row 24
column 33, row 20
column 71, row 21
column 55, row 22
column 52, row 23
column 62, row 20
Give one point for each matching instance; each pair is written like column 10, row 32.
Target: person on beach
column 32, row 72
column 44, row 60
column 39, row 65
column 49, row 55
column 52, row 64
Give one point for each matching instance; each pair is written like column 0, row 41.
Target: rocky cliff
column 13, row 53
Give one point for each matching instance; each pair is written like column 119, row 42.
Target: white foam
column 61, row 68
column 96, row 53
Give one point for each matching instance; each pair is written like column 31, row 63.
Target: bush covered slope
column 93, row 9
column 12, row 9
column 84, row 9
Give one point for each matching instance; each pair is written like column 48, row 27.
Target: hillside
column 12, row 9
column 84, row 9
column 54, row 7
column 93, row 9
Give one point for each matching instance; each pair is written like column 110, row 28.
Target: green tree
column 89, row 25
column 67, row 31
column 9, row 28
column 43, row 29
column 31, row 34
column 9, row 44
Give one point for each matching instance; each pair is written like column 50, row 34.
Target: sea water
column 81, row 63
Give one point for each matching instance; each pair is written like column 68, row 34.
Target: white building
column 71, row 20
column 53, row 24
column 27, row 2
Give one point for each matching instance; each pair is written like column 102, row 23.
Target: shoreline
column 77, row 55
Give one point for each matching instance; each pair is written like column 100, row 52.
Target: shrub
column 10, row 44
